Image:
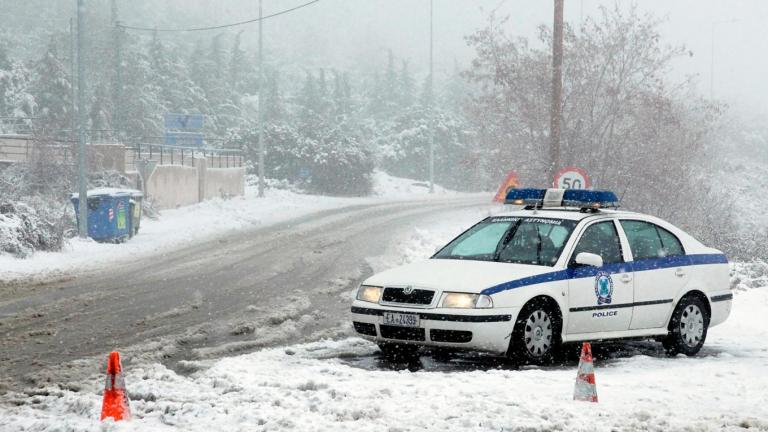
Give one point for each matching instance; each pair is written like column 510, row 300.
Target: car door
column 600, row 298
column 661, row 271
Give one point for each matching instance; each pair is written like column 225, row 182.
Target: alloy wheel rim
column 538, row 333
column 692, row 325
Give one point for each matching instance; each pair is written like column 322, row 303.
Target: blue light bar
column 581, row 198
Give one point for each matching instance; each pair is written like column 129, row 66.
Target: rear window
column 647, row 240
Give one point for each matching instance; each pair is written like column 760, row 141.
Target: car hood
column 455, row 275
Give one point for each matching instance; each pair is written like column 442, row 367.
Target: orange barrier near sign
column 512, row 181
column 115, row 402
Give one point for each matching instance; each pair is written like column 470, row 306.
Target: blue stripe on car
column 636, row 266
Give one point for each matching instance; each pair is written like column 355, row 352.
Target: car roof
column 568, row 213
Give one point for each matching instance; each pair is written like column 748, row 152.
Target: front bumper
column 485, row 330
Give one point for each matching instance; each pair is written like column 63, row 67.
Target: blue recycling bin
column 109, row 214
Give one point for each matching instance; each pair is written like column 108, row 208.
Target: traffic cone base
column 115, row 403
column 585, row 389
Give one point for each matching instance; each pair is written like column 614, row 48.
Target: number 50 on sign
column 571, row 178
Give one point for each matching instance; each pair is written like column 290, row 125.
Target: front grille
column 365, row 328
column 417, row 297
column 454, row 336
column 402, row 333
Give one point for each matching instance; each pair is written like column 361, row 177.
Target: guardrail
column 183, row 156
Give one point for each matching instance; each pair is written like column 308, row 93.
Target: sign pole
column 81, row 159
column 557, row 88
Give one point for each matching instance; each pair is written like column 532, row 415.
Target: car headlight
column 369, row 293
column 466, row 301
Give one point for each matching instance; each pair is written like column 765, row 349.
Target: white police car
column 565, row 268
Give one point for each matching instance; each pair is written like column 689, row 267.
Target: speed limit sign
column 571, row 178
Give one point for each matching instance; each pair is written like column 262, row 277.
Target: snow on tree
column 52, row 90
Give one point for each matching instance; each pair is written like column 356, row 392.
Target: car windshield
column 523, row 240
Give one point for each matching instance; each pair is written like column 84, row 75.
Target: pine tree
column 406, row 86
column 275, row 110
column 15, row 100
column 390, row 89
column 237, row 66
column 52, row 90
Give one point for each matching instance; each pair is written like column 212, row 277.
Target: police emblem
column 603, row 288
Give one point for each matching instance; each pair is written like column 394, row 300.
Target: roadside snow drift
column 320, row 387
column 185, row 225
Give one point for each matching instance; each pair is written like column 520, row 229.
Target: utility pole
column 72, row 66
column 81, row 159
column 262, row 171
column 118, row 89
column 431, row 111
column 557, row 90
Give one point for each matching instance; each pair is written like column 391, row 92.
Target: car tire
column 687, row 327
column 398, row 352
column 536, row 337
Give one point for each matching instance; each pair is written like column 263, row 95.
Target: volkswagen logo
column 408, row 290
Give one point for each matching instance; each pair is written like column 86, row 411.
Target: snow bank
column 23, row 230
column 318, row 387
column 185, row 225
column 173, row 229
column 389, row 186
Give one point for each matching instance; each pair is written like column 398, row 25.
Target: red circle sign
column 571, row 178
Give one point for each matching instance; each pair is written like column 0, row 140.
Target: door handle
column 626, row 278
column 679, row 272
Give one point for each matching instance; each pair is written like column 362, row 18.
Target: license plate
column 401, row 319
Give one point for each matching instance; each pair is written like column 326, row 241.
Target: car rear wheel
column 398, row 352
column 687, row 328
column 536, row 336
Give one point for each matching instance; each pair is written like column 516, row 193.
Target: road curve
column 282, row 283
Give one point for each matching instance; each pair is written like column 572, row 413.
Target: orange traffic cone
column 115, row 403
column 585, row 389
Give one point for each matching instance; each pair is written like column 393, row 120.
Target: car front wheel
column 536, row 336
column 688, row 327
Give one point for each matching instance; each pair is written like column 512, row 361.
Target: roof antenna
column 621, row 198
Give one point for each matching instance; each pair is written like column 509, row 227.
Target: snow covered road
column 320, row 387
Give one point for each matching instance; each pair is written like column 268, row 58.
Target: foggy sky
column 351, row 33
column 356, row 34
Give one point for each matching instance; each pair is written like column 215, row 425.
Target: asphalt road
column 281, row 284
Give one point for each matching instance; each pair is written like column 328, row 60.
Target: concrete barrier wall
column 223, row 182
column 171, row 186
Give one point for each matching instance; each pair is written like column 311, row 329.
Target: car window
column 600, row 239
column 537, row 241
column 481, row 241
column 647, row 240
column 669, row 243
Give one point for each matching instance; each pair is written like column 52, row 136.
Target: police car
column 568, row 266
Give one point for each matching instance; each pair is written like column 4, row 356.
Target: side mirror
column 589, row 259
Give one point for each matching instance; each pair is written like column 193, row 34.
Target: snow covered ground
column 185, row 225
column 337, row 385
column 342, row 385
